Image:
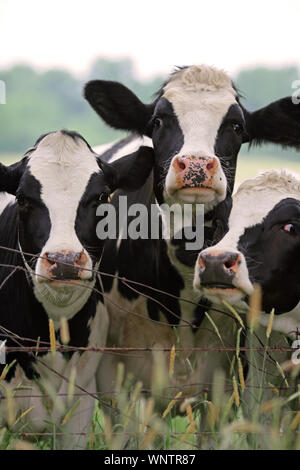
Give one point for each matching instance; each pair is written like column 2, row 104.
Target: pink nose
column 195, row 171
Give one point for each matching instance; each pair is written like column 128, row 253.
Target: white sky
column 157, row 34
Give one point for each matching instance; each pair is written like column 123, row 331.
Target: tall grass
column 257, row 411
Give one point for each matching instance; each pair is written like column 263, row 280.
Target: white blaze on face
column 201, row 97
column 63, row 166
column 252, row 202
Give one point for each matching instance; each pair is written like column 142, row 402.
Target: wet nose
column 65, row 265
column 218, row 268
column 195, row 170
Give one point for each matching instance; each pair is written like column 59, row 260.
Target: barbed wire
column 45, row 347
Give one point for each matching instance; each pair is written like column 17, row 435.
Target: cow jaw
column 63, row 299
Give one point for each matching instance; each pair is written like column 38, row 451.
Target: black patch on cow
column 33, row 217
column 143, row 261
column 167, row 139
column 278, row 122
column 118, row 106
column 199, row 313
column 273, row 256
column 228, row 142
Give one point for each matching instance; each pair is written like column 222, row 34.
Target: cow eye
column 238, row 129
column 290, row 228
column 158, row 122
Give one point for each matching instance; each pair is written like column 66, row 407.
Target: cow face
column 197, row 131
column 262, row 246
column 58, row 186
column 197, row 128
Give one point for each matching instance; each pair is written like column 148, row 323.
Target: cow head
column 58, row 186
column 197, row 126
column 261, row 246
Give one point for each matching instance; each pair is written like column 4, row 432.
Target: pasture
column 237, row 416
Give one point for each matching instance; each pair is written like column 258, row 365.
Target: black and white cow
column 197, row 126
column 261, row 246
column 48, row 221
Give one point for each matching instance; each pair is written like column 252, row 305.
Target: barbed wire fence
column 40, row 348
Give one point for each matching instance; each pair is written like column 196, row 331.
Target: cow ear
column 129, row 172
column 118, row 106
column 10, row 176
column 279, row 122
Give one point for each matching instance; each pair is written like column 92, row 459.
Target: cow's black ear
column 10, row 176
column 129, row 172
column 279, row 122
column 118, row 106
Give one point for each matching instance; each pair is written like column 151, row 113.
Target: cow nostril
column 182, row 165
column 49, row 259
column 229, row 264
column 77, row 257
column 210, row 165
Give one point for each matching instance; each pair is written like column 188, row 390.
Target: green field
column 249, row 166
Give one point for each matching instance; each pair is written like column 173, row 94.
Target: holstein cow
column 197, row 126
column 261, row 246
column 49, row 251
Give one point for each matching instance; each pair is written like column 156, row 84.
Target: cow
column 262, row 247
column 49, row 258
column 196, row 125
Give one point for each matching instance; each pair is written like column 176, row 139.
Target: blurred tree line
column 38, row 102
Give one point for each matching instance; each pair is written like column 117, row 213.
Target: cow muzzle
column 222, row 275
column 196, row 178
column 64, row 265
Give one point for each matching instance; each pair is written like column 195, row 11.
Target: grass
column 261, row 413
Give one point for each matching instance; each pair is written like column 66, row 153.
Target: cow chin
column 210, row 196
column 232, row 295
column 63, row 298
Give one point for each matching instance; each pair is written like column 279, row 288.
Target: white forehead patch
column 199, row 78
column 63, row 166
column 200, row 96
column 59, row 152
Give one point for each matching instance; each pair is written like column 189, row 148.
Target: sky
column 156, row 34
